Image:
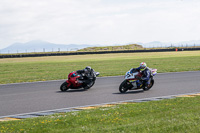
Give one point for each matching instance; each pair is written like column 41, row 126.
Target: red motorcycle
column 76, row 81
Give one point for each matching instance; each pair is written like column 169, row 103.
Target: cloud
column 98, row 21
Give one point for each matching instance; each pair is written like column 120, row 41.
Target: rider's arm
column 138, row 69
column 80, row 71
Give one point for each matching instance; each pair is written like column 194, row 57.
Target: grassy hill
column 110, row 48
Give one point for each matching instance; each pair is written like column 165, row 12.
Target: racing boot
column 145, row 85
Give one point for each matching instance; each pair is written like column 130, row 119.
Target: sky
column 103, row 22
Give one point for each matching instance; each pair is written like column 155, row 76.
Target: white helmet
column 143, row 66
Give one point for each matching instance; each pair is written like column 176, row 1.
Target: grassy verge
column 57, row 67
column 174, row 115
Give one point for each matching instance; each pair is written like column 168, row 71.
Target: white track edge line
column 76, row 107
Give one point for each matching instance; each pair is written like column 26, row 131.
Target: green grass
column 31, row 69
column 165, row 116
column 175, row 115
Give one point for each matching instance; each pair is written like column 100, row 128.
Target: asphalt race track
column 41, row 96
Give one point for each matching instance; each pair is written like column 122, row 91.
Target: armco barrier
column 99, row 52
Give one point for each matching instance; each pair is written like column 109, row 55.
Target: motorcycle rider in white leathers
column 146, row 73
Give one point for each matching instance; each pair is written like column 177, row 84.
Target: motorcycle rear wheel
column 64, row 87
column 123, row 87
column 86, row 87
column 148, row 87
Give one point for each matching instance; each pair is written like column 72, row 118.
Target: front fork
column 68, row 83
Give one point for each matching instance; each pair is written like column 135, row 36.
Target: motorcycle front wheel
column 123, row 87
column 64, row 87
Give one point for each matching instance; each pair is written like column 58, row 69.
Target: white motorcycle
column 133, row 80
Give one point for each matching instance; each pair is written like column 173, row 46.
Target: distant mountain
column 169, row 44
column 153, row 44
column 41, row 46
column 190, row 43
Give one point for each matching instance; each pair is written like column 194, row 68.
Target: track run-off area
column 20, row 98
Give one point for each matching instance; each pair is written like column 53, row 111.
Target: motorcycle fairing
column 72, row 80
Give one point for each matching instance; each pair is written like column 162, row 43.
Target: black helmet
column 87, row 69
